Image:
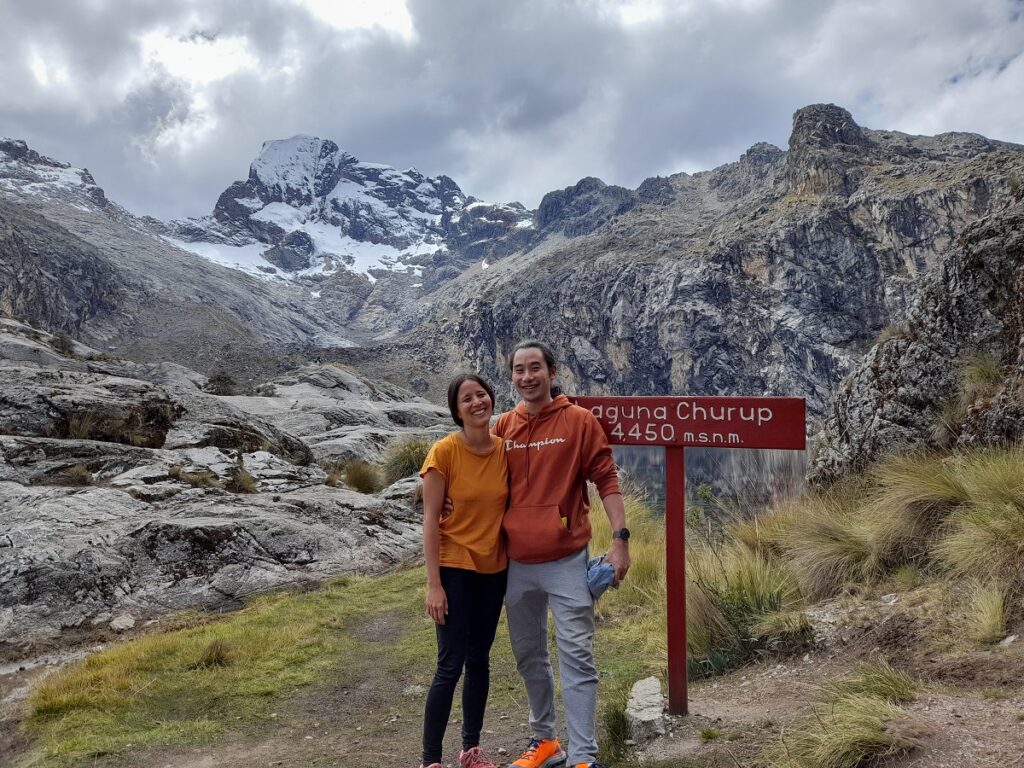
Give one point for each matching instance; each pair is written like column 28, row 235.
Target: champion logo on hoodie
column 512, row 445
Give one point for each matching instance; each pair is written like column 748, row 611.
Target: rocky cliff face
column 952, row 373
column 766, row 276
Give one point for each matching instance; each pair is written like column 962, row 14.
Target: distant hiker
column 553, row 448
column 466, row 564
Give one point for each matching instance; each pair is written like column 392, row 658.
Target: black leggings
column 464, row 640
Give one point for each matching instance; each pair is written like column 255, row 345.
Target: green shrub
column 404, row 459
column 363, row 477
column 221, row 383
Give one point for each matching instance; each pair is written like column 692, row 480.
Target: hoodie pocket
column 535, row 534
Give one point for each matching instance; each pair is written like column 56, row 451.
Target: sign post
column 707, row 422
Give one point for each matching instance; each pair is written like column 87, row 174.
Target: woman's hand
column 437, row 603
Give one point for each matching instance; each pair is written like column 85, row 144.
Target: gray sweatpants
column 562, row 586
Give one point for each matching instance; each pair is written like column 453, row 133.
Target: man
column 553, row 448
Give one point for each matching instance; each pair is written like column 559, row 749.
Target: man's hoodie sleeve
column 598, row 459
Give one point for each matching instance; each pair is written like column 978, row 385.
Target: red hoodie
column 550, row 458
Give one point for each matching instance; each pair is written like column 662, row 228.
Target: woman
column 466, row 564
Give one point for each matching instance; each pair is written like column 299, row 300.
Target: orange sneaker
column 542, row 753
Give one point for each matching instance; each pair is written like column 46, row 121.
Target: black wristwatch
column 622, row 533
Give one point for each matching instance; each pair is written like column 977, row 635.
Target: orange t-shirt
column 478, row 487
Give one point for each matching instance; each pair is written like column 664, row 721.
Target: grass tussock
column 79, row 474
column 857, row 720
column 846, row 734
column 241, row 481
column 980, row 376
column 335, row 472
column 200, row 478
column 984, row 538
column 404, row 459
column 826, row 544
column 916, row 516
column 985, row 621
column 911, row 497
column 83, row 425
column 738, row 601
column 896, row 331
column 363, row 477
column 216, row 654
column 877, row 679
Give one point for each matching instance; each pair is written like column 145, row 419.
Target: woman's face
column 474, row 404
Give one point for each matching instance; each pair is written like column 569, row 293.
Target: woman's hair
column 545, row 350
column 453, row 393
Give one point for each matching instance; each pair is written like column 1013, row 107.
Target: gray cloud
column 510, row 99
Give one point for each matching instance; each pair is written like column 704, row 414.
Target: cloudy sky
column 167, row 102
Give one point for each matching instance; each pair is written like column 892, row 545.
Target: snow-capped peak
column 27, row 174
column 308, row 207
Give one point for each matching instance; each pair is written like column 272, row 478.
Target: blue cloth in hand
column 600, row 576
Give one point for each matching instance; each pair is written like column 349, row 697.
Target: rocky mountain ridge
column 769, row 275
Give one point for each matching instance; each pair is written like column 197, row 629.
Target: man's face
column 531, row 376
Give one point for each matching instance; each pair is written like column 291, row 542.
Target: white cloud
column 167, row 103
column 389, row 15
column 197, row 59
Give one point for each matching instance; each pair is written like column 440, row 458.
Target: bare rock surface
column 125, row 498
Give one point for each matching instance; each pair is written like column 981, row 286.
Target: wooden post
column 675, row 577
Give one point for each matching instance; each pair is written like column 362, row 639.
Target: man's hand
column 618, row 558
column 449, row 507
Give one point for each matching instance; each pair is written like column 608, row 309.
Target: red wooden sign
column 677, row 422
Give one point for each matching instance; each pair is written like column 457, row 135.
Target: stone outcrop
column 127, row 491
column 952, row 373
column 70, row 559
